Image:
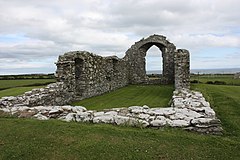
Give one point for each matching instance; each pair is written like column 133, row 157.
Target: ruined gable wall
column 135, row 56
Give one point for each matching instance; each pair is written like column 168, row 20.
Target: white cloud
column 110, row 27
column 198, row 41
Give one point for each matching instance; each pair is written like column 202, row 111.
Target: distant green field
column 151, row 95
column 53, row 139
column 226, row 78
column 16, row 91
column 5, row 84
column 27, row 76
column 17, row 87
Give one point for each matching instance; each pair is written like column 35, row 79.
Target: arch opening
column 135, row 57
column 153, row 57
column 154, row 62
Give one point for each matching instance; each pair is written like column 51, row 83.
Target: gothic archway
column 135, row 57
column 154, row 62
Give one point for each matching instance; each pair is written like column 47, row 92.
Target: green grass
column 226, row 102
column 53, row 139
column 151, row 95
column 6, row 84
column 32, row 139
column 18, row 87
column 16, row 91
column 226, row 78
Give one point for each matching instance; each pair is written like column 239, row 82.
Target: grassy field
column 226, row 78
column 226, row 102
column 17, row 87
column 32, row 139
column 16, row 91
column 130, row 96
column 53, row 139
column 27, row 76
column 6, row 84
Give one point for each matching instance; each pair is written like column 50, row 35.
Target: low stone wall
column 204, row 119
column 189, row 111
column 52, row 94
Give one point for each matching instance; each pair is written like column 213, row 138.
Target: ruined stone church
column 87, row 74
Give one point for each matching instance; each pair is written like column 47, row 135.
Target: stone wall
column 198, row 112
column 53, row 94
column 182, row 69
column 237, row 75
column 82, row 74
column 88, row 75
column 189, row 111
column 135, row 58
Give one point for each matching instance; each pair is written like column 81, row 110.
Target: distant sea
column 205, row 71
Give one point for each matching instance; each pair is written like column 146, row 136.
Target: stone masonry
column 237, row 75
column 182, row 69
column 53, row 94
column 189, row 111
column 87, row 75
column 135, row 57
column 81, row 74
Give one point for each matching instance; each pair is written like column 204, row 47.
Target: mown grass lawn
column 151, row 95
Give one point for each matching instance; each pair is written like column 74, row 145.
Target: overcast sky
column 34, row 32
